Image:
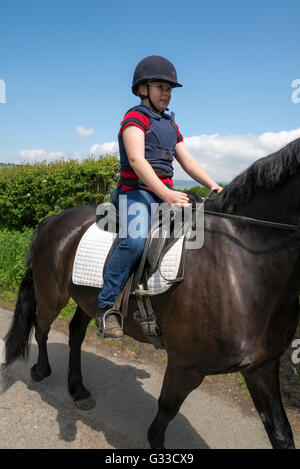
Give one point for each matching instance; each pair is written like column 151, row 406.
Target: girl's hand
column 179, row 198
column 217, row 188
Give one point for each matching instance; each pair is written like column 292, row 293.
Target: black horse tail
column 18, row 337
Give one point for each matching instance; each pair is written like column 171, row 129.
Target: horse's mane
column 267, row 173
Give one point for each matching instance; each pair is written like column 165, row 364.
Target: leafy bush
column 14, row 246
column 30, row 192
column 201, row 190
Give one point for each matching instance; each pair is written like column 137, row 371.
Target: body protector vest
column 160, row 141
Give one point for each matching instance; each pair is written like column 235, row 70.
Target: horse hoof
column 35, row 377
column 85, row 404
column 31, row 380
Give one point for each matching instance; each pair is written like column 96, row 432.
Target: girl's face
column 160, row 94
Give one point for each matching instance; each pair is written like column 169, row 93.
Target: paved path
column 43, row 415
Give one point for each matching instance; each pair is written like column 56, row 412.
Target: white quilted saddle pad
column 93, row 249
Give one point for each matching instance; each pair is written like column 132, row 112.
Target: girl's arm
column 134, row 142
column 193, row 168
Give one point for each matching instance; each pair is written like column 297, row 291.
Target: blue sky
column 69, row 63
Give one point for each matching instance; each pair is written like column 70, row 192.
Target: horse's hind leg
column 81, row 396
column 263, row 384
column 42, row 368
column 178, row 383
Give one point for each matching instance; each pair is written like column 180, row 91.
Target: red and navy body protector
column 161, row 136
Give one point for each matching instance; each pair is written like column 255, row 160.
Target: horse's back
column 54, row 248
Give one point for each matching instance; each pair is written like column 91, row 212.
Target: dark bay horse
column 236, row 310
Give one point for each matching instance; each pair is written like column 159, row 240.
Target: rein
column 255, row 221
column 243, row 219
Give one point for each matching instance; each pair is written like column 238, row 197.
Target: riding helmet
column 154, row 68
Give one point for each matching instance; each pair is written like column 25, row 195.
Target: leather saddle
column 168, row 225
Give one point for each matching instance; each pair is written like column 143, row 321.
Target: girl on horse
column 149, row 140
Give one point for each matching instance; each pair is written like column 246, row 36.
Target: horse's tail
column 18, row 337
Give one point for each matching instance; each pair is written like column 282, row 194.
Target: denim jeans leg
column 135, row 220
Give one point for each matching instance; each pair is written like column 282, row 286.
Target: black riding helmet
column 154, row 68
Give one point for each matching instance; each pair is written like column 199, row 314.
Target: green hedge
column 14, row 246
column 201, row 190
column 30, row 192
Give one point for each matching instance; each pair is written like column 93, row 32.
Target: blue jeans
column 135, row 221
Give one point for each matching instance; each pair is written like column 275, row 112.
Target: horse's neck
column 270, row 252
column 280, row 204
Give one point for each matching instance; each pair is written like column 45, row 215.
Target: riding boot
column 108, row 323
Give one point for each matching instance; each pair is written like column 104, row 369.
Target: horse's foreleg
column 263, row 384
column 81, row 396
column 178, row 383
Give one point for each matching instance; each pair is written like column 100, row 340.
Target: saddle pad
column 93, row 249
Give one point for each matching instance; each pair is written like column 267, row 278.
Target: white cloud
column 83, row 132
column 108, row 147
column 224, row 157
column 40, row 155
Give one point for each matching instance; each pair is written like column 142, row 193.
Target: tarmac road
column 43, row 415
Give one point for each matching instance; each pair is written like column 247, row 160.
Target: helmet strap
column 150, row 100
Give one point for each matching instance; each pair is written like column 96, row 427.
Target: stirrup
column 108, row 313
column 151, row 325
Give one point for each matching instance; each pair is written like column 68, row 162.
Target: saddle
column 168, row 226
